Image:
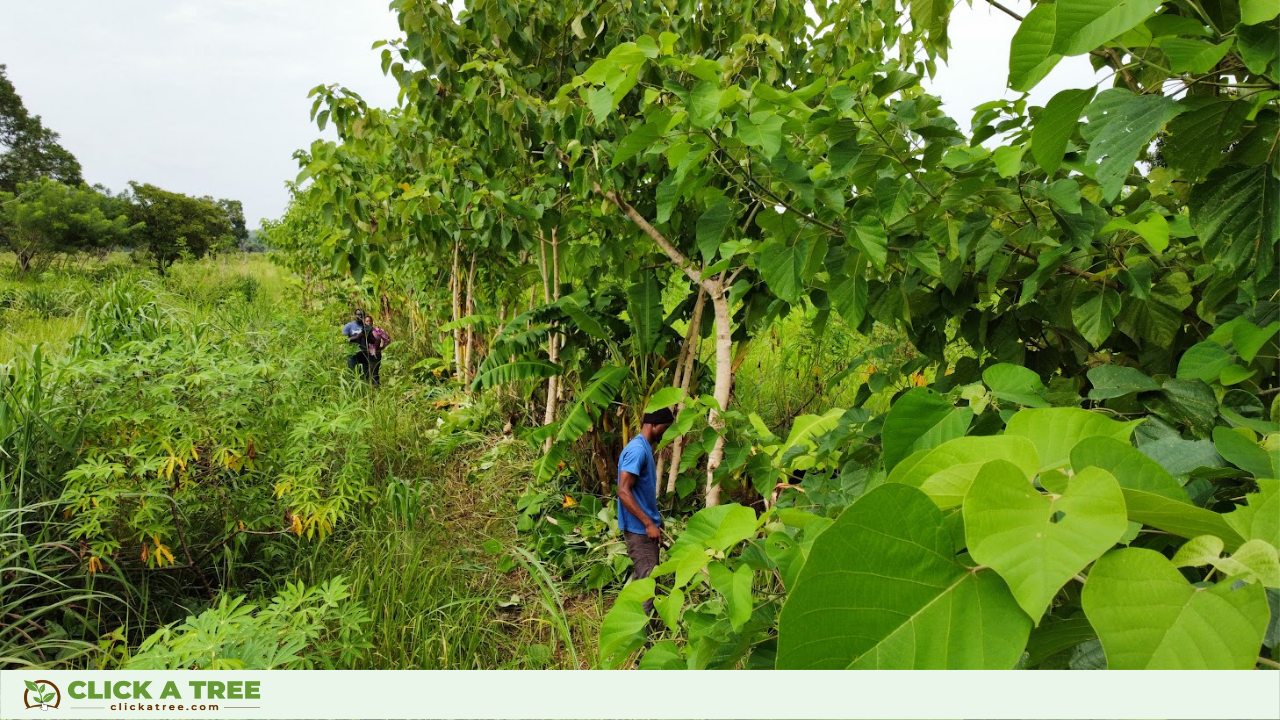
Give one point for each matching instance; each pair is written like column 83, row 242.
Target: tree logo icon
column 42, row 694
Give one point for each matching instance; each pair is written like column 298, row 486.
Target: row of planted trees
column 46, row 219
column 1088, row 289
column 558, row 167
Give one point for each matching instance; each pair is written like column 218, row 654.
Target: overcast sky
column 209, row 97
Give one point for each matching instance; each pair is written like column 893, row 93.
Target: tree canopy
column 28, row 150
column 47, row 217
column 173, row 225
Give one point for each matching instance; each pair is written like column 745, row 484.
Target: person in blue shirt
column 638, row 516
column 358, row 332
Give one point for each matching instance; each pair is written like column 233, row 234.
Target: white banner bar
column 652, row 695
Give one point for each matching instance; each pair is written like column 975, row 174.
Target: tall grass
column 445, row 475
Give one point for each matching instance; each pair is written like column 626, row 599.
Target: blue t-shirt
column 354, row 331
column 637, row 459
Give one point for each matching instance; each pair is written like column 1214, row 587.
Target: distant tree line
column 47, row 210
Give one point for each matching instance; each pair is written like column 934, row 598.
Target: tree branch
column 1005, row 10
column 672, row 252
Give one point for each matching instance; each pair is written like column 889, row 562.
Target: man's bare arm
column 626, row 482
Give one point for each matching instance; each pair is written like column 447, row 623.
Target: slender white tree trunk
column 684, row 374
column 471, row 308
column 555, row 296
column 553, row 346
column 455, row 287
column 716, row 289
column 724, row 384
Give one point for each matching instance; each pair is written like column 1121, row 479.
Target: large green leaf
column 1245, row 453
column 919, row 420
column 1259, row 47
column 1015, row 384
column 598, row 393
column 1149, row 617
column 583, row 320
column 1191, row 402
column 849, row 297
column 1083, row 25
column 1253, row 12
column 514, row 372
column 623, row 629
column 805, row 428
column 1112, row 381
column 1187, row 55
column 1236, row 204
column 1177, row 517
column 1036, row 542
column 1055, row 431
column 1259, row 519
column 1031, row 55
column 1132, row 469
column 869, row 237
column 711, row 227
column 782, row 266
column 930, row 15
column 1120, row 126
column 735, row 587
column 644, row 305
column 1055, row 125
column 704, row 103
column 664, row 398
column 882, row 589
column 664, row 655
column 946, row 472
column 1204, row 361
column 715, row 528
column 642, row 138
column 1197, row 137
column 1093, row 312
column 762, row 130
column 1247, row 339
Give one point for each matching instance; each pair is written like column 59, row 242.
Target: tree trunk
column 724, row 384
column 555, row 296
column 455, row 288
column 724, row 336
column 553, row 347
column 470, row 308
column 684, row 373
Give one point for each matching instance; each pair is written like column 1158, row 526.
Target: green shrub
column 301, row 628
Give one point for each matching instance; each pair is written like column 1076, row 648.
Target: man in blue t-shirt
column 357, row 332
column 638, row 516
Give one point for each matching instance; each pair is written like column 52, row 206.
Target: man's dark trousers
column 644, row 555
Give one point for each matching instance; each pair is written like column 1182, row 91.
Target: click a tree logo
column 42, row 694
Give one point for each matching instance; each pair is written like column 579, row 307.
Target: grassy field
column 432, row 552
column 413, row 553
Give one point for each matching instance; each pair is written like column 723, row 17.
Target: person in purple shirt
column 638, row 516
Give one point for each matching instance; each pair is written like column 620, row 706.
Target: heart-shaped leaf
column 1055, row 431
column 882, row 589
column 946, row 472
column 1037, row 542
column 919, row 420
column 1131, row 468
column 1259, row 518
column 1149, row 617
column 1031, row 55
column 623, row 630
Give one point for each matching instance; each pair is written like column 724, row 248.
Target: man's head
column 360, row 316
column 656, row 423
